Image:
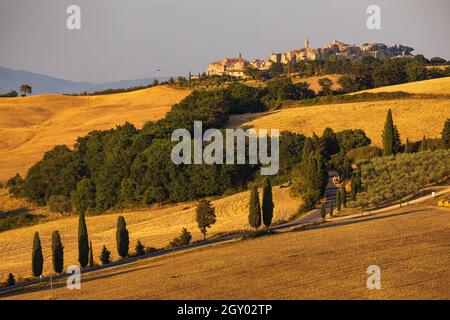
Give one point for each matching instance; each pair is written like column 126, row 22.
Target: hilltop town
column 235, row 66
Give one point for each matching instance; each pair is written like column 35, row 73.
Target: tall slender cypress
column 267, row 203
column 338, row 200
column 91, row 256
column 57, row 253
column 344, row 197
column 37, row 257
column 122, row 240
column 254, row 214
column 391, row 137
column 83, row 241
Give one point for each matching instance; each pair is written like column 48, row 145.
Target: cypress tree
column 83, row 241
column 446, row 134
column 254, row 214
column 391, row 137
column 344, row 197
column 338, row 200
column 331, row 208
column 57, row 253
column 267, row 203
column 122, row 240
column 37, row 257
column 91, row 256
column 323, row 212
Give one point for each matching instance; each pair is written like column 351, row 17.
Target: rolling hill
column 413, row 117
column 410, row 245
column 154, row 227
column 30, row 126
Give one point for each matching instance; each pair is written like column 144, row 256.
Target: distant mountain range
column 12, row 80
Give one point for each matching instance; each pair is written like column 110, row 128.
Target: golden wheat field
column 413, row 117
column 154, row 227
column 30, row 126
column 410, row 245
column 433, row 86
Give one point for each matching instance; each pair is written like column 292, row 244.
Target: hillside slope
column 154, row 227
column 410, row 245
column 32, row 125
column 433, row 86
column 413, row 117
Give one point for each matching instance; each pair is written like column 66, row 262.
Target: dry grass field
column 433, row 86
column 30, row 126
column 154, row 227
column 410, row 245
column 413, row 117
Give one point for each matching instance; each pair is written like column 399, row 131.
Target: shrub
column 184, row 239
column 11, row 280
column 205, row 216
column 105, row 256
column 59, row 204
column 139, row 248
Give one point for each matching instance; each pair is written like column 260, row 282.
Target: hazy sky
column 131, row 39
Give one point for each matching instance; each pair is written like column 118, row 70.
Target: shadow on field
column 63, row 284
column 357, row 220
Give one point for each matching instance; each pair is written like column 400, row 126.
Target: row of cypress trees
column 255, row 210
column 85, row 252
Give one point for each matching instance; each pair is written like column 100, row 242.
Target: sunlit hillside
column 154, row 227
column 30, row 126
column 433, row 86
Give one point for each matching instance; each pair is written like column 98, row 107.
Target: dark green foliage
column 342, row 164
column 122, row 239
column 391, row 137
column 57, row 174
column 139, row 248
column 313, row 171
column 254, row 211
column 127, row 193
column 59, row 204
column 83, row 241
column 57, row 253
column 330, row 142
column 83, row 197
column 37, row 257
column 326, row 85
column 16, row 186
column 11, row 222
column 352, row 138
column 205, row 216
column 243, row 99
column 11, row 280
column 364, row 153
column 388, row 178
column 10, row 94
column 283, row 89
column 331, row 208
column 446, row 134
column 105, row 256
column 323, row 211
column 310, row 199
column 91, row 256
column 344, row 197
column 182, row 240
column 416, row 71
column 338, row 200
column 267, row 203
column 290, row 153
